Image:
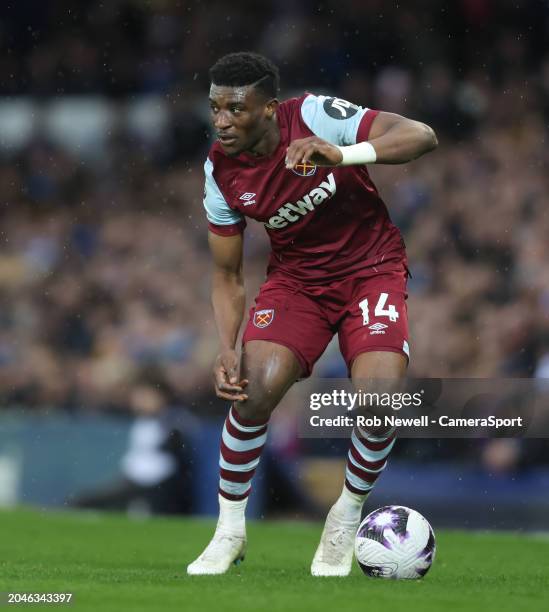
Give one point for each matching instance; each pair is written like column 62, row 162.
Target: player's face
column 241, row 116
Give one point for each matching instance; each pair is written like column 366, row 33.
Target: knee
column 263, row 396
column 270, row 370
column 251, row 411
column 376, row 417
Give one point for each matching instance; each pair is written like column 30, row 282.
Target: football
column 395, row 542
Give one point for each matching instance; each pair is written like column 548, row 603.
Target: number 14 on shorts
column 380, row 310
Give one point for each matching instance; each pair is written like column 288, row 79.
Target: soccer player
column 338, row 264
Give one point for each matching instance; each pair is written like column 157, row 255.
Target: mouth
column 226, row 140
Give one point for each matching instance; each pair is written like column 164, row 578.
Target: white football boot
column 223, row 550
column 228, row 544
column 334, row 555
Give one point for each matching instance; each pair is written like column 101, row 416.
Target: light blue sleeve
column 332, row 119
column 218, row 211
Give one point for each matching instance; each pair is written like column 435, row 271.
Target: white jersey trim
column 340, row 127
column 218, row 211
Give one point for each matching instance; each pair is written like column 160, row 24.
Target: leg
column 373, row 337
column 271, row 370
column 285, row 334
column 369, row 449
column 365, row 462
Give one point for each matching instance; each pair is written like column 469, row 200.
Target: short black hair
column 246, row 68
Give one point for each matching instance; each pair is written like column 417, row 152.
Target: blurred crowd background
column 104, row 267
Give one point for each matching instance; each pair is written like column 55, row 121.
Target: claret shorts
column 367, row 310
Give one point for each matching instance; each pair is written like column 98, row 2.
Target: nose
column 222, row 120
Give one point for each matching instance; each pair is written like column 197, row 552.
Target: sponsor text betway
column 290, row 213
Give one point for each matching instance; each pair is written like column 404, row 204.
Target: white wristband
column 359, row 153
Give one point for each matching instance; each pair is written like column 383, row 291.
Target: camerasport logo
column 263, row 318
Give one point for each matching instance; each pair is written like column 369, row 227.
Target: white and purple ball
column 395, row 542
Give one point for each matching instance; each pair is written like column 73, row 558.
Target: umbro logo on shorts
column 377, row 328
column 263, row 318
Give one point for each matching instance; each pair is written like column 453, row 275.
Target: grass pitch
column 112, row 563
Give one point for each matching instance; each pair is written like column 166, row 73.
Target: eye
column 236, row 110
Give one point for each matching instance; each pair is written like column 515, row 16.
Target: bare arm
column 228, row 300
column 395, row 139
column 398, row 140
column 228, row 296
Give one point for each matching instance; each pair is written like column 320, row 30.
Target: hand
column 225, row 374
column 313, row 149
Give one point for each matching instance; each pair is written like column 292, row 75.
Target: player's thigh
column 285, row 335
column 376, row 321
column 284, row 316
column 374, row 339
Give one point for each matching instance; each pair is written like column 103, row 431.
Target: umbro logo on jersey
column 247, row 198
column 306, row 169
column 290, row 213
column 377, row 328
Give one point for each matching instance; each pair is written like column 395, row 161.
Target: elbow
column 226, row 277
column 430, row 138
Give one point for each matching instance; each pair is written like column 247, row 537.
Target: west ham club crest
column 306, row 169
column 263, row 318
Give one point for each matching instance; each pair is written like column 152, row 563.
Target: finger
column 231, row 398
column 231, row 371
column 294, row 157
column 293, row 153
column 220, row 375
column 294, row 144
column 229, row 394
column 229, row 387
column 308, row 153
column 289, row 161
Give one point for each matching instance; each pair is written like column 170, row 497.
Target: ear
column 271, row 108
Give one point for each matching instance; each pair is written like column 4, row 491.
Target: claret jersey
column 323, row 223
